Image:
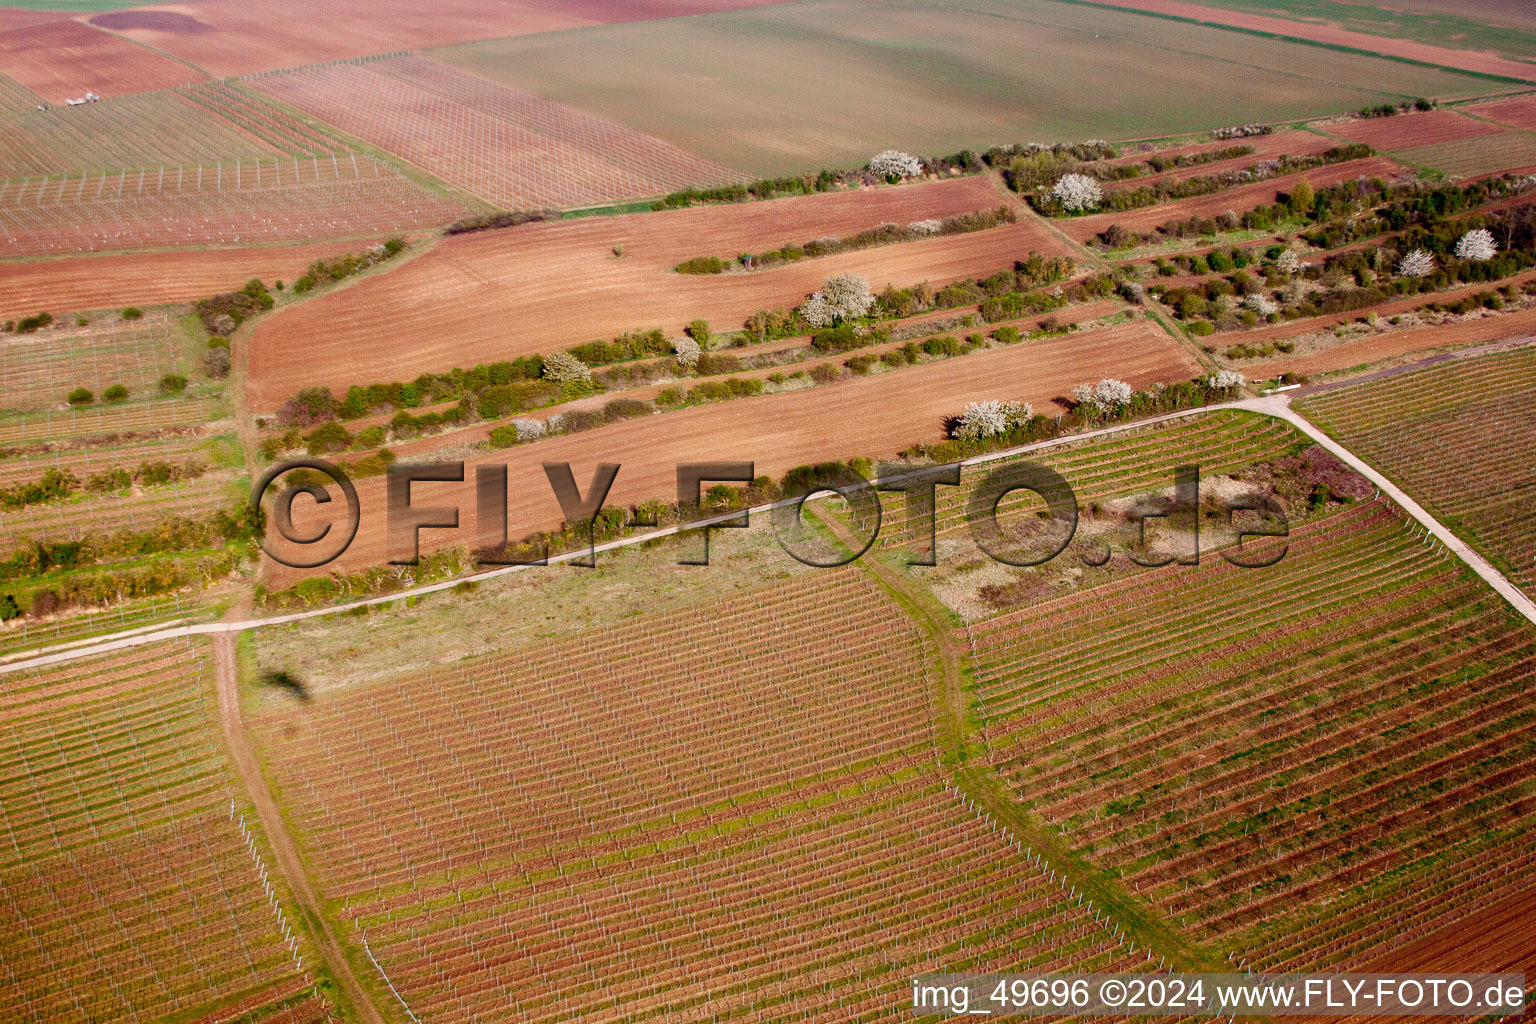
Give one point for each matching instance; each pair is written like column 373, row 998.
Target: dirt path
column 289, row 863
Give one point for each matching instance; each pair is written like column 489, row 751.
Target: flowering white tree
column 1106, row 394
column 893, row 163
column 528, row 429
column 1289, row 262
column 1261, row 304
column 842, row 297
column 1224, row 380
column 564, row 368
column 1477, row 244
column 1416, row 264
column 991, row 418
column 687, row 351
column 931, row 226
column 1077, row 192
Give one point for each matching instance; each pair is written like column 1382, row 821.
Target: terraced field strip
column 511, row 148
column 284, row 200
column 1251, row 749
column 633, row 724
column 820, row 906
column 1136, row 461
column 109, row 419
column 127, row 888
column 37, row 371
column 1458, row 438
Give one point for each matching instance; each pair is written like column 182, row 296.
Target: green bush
column 173, row 384
column 1007, row 335
column 835, row 339
column 28, row 324
column 133, row 313
column 703, row 265
column 81, row 396
column 1202, row 328
column 503, row 437
column 328, row 437
column 115, row 393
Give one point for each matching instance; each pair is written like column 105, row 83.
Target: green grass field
column 1500, row 26
column 829, row 82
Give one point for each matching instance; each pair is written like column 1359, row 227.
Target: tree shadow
column 286, row 681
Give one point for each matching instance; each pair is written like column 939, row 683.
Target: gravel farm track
column 871, row 416
column 1466, row 60
column 114, row 280
column 534, row 289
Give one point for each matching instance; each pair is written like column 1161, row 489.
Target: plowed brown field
column 59, row 60
column 875, row 416
column 1517, row 113
column 149, row 278
column 233, row 37
column 1406, row 131
column 1469, row 60
column 497, row 295
column 1378, row 348
column 1236, row 200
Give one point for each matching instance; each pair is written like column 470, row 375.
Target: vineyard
column 130, row 887
column 111, row 419
column 1218, row 442
column 726, row 809
column 513, row 149
column 38, row 370
column 1457, row 438
column 139, row 511
column 1253, row 751
column 632, row 725
column 209, row 123
column 281, row 200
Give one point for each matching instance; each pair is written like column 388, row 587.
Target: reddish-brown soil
column 1381, row 347
column 60, row 60
column 1469, row 60
column 1496, row 940
column 1236, row 200
column 232, row 37
column 1408, row 130
column 149, row 278
column 496, row 295
column 1517, row 113
column 874, row 416
column 24, row 17
column 1294, row 141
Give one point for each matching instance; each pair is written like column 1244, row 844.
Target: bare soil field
column 510, row 148
column 112, row 281
column 63, row 59
column 1235, row 200
column 497, row 295
column 874, row 416
column 1265, row 147
column 1409, row 130
column 1392, row 344
column 1503, row 153
column 1493, row 939
column 230, row 37
column 1467, row 60
column 1517, row 113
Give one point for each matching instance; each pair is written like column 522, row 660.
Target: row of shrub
column 499, row 219
column 56, row 484
column 170, row 384
column 173, row 534
column 883, row 234
column 324, row 272
column 96, row 590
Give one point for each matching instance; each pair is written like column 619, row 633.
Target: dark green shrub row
column 323, row 272
column 500, row 219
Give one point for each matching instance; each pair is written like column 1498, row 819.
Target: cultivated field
column 62, row 59
column 1506, row 151
column 115, row 280
column 1309, row 765
column 511, row 148
column 230, row 37
column 541, row 287
column 930, row 77
column 873, row 416
column 292, row 199
column 38, row 370
column 130, row 888
column 660, row 822
column 1456, row 437
column 1406, row 131
column 1518, row 113
column 1469, row 60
